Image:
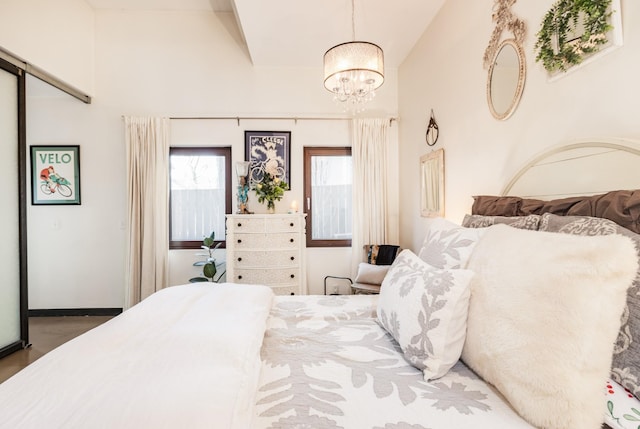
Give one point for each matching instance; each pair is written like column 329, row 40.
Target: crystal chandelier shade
column 353, row 70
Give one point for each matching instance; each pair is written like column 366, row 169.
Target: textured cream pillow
column 544, row 313
column 425, row 311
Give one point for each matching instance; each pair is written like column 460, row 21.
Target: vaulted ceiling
column 296, row 33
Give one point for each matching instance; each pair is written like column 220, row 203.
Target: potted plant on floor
column 209, row 265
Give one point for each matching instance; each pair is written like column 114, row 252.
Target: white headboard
column 585, row 167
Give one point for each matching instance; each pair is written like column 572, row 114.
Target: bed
column 469, row 350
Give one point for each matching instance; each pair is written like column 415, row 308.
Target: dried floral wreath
column 558, row 45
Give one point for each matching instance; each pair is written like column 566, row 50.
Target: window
column 327, row 190
column 200, row 194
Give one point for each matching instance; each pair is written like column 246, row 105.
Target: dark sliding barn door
column 13, row 288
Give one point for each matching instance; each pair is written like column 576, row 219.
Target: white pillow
column 544, row 314
column 448, row 245
column 371, row 274
column 425, row 310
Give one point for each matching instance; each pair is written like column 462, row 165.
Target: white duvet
column 193, row 363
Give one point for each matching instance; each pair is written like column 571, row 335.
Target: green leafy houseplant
column 270, row 189
column 556, row 49
column 209, row 265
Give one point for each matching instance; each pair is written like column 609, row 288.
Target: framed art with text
column 55, row 175
column 268, row 152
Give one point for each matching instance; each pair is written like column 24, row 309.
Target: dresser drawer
column 280, row 240
column 247, row 225
column 285, row 290
column 282, row 224
column 280, row 276
column 266, row 259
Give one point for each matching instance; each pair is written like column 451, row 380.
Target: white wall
column 444, row 72
column 75, row 253
column 57, row 36
column 165, row 64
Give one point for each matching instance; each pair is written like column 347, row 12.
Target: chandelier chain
column 353, row 20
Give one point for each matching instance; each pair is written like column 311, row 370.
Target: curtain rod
column 272, row 118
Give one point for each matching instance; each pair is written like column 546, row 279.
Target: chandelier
column 353, row 70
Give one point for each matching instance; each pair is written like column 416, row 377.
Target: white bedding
column 198, row 356
column 186, row 357
column 327, row 363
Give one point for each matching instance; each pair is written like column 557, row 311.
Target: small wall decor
column 432, row 184
column 268, row 152
column 433, row 132
column 575, row 30
column 55, row 175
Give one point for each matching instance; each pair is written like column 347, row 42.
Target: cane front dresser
column 269, row 250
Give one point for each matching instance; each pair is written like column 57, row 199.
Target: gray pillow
column 521, row 222
column 626, row 354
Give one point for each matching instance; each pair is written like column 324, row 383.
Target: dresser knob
column 239, row 277
column 239, row 259
column 239, row 224
column 291, row 224
column 293, row 276
column 293, row 258
column 293, row 293
column 291, row 240
column 239, row 241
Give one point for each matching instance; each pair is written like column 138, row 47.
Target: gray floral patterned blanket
column 326, row 363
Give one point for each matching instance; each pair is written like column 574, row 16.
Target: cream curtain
column 147, row 145
column 370, row 177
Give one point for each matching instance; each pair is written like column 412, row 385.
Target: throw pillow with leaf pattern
column 448, row 245
column 425, row 311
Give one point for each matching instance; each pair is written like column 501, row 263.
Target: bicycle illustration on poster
column 268, row 152
column 55, row 175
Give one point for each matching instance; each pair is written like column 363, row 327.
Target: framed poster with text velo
column 55, row 175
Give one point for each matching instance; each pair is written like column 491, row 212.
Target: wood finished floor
column 45, row 334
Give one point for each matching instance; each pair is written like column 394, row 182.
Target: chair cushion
column 371, row 274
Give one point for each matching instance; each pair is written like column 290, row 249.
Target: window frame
column 224, row 151
column 309, row 152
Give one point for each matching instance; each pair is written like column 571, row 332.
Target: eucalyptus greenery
column 555, row 50
column 270, row 189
